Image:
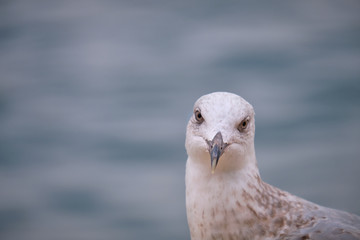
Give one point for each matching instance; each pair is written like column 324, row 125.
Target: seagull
column 225, row 196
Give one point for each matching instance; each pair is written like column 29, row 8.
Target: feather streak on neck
column 238, row 198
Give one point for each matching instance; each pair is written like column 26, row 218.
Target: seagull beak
column 216, row 149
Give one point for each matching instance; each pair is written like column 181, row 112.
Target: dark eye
column 199, row 118
column 243, row 125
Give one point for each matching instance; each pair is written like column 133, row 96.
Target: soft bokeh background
column 95, row 97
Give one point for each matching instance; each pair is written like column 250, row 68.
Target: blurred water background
column 95, row 97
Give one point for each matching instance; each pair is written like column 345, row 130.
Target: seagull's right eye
column 198, row 116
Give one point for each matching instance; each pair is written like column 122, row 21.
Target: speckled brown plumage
column 233, row 202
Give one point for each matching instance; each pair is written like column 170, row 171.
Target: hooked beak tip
column 216, row 149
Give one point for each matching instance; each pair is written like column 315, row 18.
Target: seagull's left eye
column 198, row 116
column 243, row 125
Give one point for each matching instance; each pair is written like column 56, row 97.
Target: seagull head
column 220, row 133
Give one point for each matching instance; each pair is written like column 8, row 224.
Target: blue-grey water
column 95, row 98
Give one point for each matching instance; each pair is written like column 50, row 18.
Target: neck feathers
column 237, row 200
